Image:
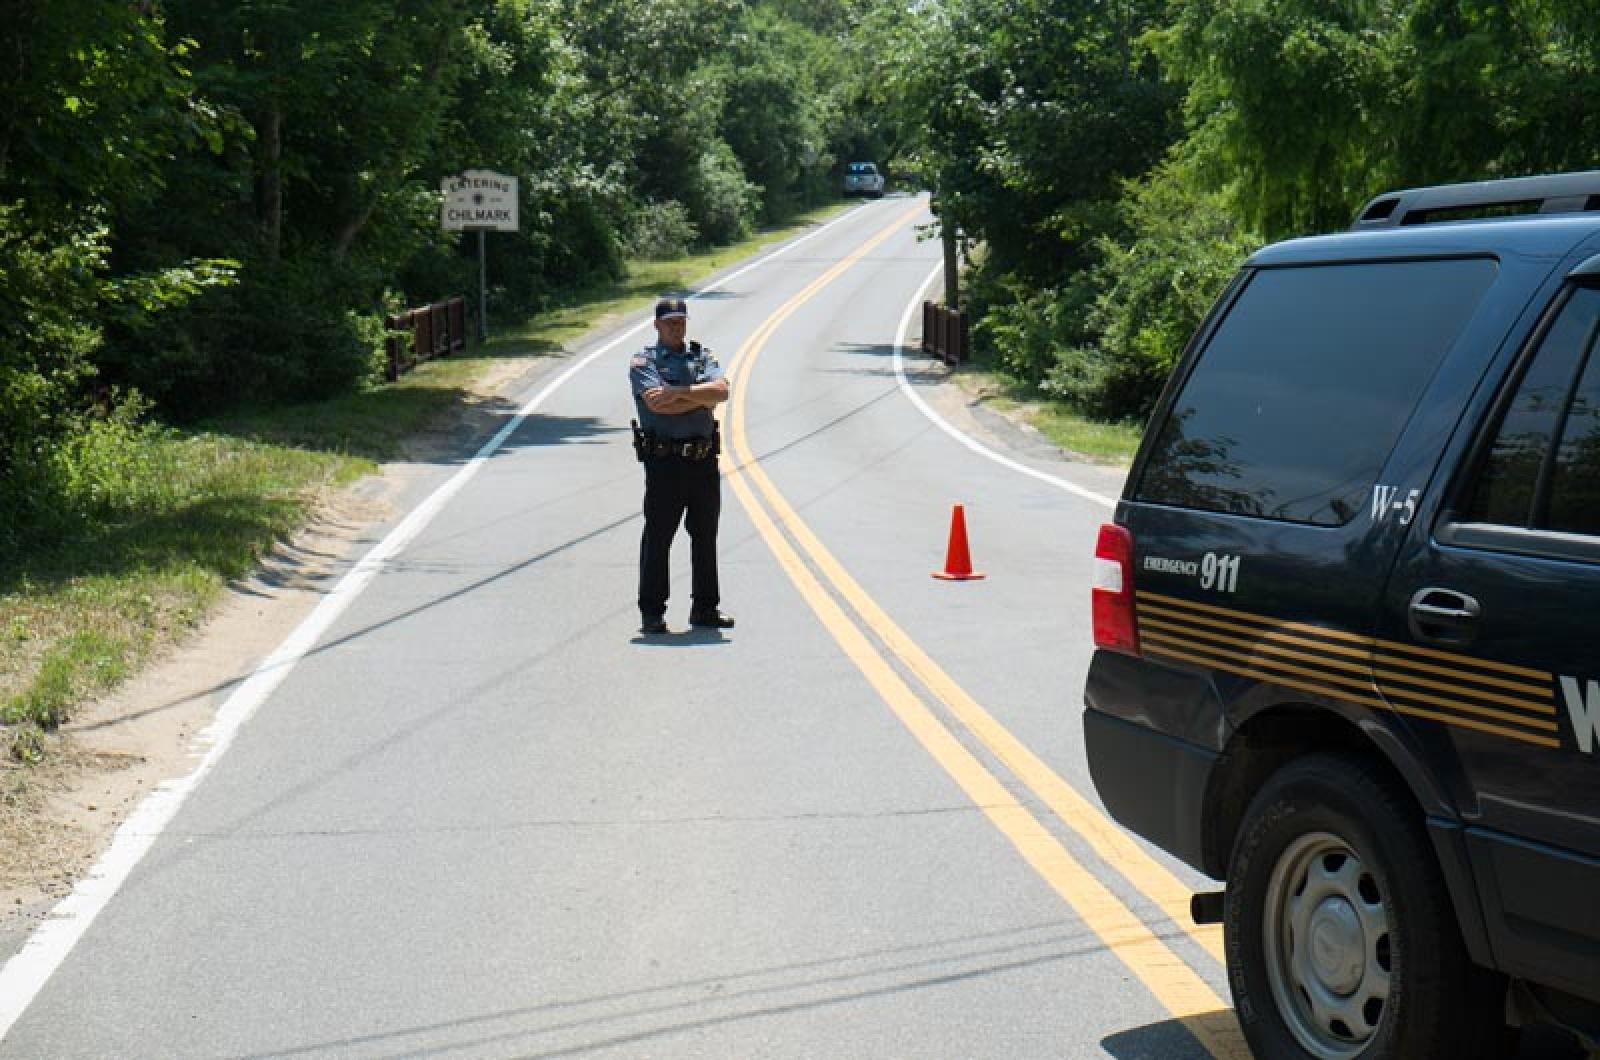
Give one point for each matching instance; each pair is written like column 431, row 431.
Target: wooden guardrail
column 424, row 333
column 944, row 333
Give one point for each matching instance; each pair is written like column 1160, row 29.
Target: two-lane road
column 469, row 811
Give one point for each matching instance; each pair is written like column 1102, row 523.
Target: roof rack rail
column 1554, row 193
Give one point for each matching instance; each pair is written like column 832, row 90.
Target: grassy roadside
column 186, row 512
column 1111, row 443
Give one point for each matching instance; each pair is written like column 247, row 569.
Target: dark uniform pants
column 675, row 488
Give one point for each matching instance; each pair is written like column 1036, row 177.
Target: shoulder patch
column 639, row 361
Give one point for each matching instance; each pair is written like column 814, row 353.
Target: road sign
column 480, row 199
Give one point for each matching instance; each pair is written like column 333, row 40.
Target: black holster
column 647, row 444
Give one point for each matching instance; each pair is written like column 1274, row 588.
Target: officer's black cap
column 672, row 309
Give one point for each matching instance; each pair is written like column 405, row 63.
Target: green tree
column 1034, row 111
column 651, row 57
column 334, row 108
column 92, row 97
column 776, row 108
column 525, row 106
column 1290, row 94
column 1149, row 291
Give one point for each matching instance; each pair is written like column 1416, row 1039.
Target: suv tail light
column 1116, row 625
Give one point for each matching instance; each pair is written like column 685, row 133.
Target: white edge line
column 966, row 440
column 25, row 974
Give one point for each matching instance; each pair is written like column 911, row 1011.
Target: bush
column 1152, row 290
column 659, row 231
column 95, row 466
column 570, row 241
column 722, row 204
column 283, row 333
column 1023, row 331
column 49, row 291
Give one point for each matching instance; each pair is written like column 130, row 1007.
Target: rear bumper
column 1153, row 784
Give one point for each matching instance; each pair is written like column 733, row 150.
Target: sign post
column 480, row 200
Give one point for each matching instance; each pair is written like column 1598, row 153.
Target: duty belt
column 647, row 444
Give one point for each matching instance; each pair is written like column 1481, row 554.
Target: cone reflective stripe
column 957, row 561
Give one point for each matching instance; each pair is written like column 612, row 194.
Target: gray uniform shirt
column 659, row 365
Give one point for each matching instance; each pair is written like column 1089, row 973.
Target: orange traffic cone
column 957, row 563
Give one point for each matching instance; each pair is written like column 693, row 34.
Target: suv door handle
column 1443, row 616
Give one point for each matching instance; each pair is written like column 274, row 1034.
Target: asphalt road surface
column 468, row 811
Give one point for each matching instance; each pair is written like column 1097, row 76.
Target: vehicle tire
column 1341, row 939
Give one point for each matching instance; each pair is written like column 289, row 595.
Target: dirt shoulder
column 57, row 818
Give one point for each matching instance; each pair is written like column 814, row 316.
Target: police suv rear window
column 1297, row 400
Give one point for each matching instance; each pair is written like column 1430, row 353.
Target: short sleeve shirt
column 660, row 365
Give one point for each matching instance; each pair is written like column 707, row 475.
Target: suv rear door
column 1491, row 624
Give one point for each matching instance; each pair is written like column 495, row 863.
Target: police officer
column 676, row 384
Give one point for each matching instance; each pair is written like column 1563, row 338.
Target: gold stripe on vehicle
column 1332, row 685
column 1338, row 686
column 1357, row 681
column 1471, row 700
column 1469, row 723
column 1541, row 691
column 1231, row 667
column 1458, row 703
column 1450, row 656
column 1272, row 623
column 1262, row 631
column 1401, row 683
column 1538, row 706
column 1254, row 647
column 1399, row 708
column 1456, row 664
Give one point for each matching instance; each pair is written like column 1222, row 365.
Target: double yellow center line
column 1187, row 996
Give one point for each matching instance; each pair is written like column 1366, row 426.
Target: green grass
column 1112, row 443
column 174, row 517
column 169, row 518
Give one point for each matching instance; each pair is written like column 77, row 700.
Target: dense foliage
column 204, row 204
column 1113, row 162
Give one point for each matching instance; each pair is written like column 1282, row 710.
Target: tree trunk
column 412, row 140
column 352, row 228
column 952, row 267
column 269, row 182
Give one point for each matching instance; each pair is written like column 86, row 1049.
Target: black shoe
column 712, row 619
column 656, row 624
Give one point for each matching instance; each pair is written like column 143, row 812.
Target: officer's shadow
column 685, row 637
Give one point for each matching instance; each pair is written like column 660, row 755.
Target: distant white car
column 863, row 178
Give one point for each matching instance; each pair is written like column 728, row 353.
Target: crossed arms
column 676, row 400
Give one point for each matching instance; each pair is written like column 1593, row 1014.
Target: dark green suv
column 1347, row 623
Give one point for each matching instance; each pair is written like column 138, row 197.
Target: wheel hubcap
column 1337, row 953
column 1327, row 947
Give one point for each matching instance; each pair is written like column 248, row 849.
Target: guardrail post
column 391, row 348
column 422, row 332
column 458, row 323
column 439, row 325
column 435, row 330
